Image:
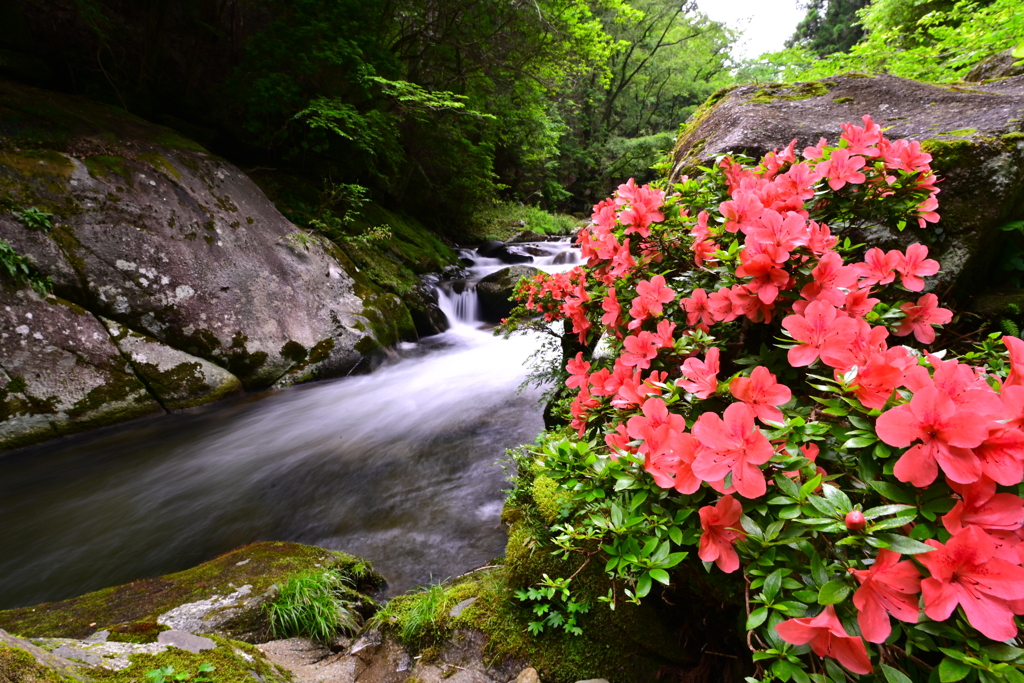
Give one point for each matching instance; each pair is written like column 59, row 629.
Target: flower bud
column 855, row 520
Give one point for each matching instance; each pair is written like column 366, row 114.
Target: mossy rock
column 495, row 291
column 136, row 608
column 233, row 661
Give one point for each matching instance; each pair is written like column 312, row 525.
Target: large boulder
column 167, row 261
column 495, row 292
column 973, row 134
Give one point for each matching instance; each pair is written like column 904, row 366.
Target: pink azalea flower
column 745, row 302
column 698, row 312
column 577, row 369
column 820, row 333
column 965, row 571
column 981, row 506
column 733, row 444
column 762, row 393
column 611, row 308
column 879, row 267
column 820, row 239
column 946, row 437
column 641, row 349
column 920, row 318
column 888, row 587
column 651, row 295
column 768, row 278
column 1016, row 349
column 743, row 208
column 721, row 525
column 876, row 380
column 842, row 168
column 720, row 304
column 701, row 376
column 827, row 638
column 816, row 152
column 831, row 277
column 914, row 266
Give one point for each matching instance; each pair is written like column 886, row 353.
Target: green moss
column 102, row 167
column 857, row 74
column 136, row 632
column 233, row 662
column 388, row 318
column 121, row 397
column 949, row 154
column 1012, row 138
column 616, row 645
column 368, row 346
column 294, row 351
column 183, row 386
column 161, row 164
column 962, row 132
column 19, row 666
column 843, row 100
column 687, row 131
column 789, row 92
column 17, row 385
column 549, row 499
column 240, row 362
column 136, row 605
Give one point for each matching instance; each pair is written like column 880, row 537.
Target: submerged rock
column 973, row 134
column 495, row 291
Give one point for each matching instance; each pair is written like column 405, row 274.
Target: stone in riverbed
column 495, row 291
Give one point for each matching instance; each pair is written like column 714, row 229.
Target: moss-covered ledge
column 131, row 612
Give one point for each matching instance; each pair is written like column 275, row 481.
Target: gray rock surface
column 184, row 640
column 60, row 372
column 973, row 134
column 176, row 379
column 64, row 667
column 179, row 250
column 495, row 291
column 374, row 658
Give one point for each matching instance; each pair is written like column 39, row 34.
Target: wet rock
column 176, row 379
column 528, row 236
column 422, row 303
column 500, row 250
column 495, row 291
column 528, row 675
column 973, row 134
column 185, row 641
column 60, row 372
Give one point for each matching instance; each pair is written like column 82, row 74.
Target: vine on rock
column 744, row 390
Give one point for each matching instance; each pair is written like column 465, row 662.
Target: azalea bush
column 755, row 389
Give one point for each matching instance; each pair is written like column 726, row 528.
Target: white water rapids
column 399, row 466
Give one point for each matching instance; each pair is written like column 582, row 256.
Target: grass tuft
column 312, row 605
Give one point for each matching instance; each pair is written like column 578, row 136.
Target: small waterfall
column 458, row 299
column 460, row 307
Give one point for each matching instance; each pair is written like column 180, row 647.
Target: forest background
column 449, row 110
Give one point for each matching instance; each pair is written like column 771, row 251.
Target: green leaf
column 893, row 675
column 676, row 534
column 839, row 500
column 951, row 670
column 643, row 585
column 833, row 592
column 772, row 584
column 893, row 492
column 859, row 442
column 818, row 573
column 904, row 544
column 883, row 510
column 661, row 576
column 787, row 486
column 1001, row 652
column 756, row 618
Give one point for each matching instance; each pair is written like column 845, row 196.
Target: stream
column 401, row 466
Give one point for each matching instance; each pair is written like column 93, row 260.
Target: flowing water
column 399, row 466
